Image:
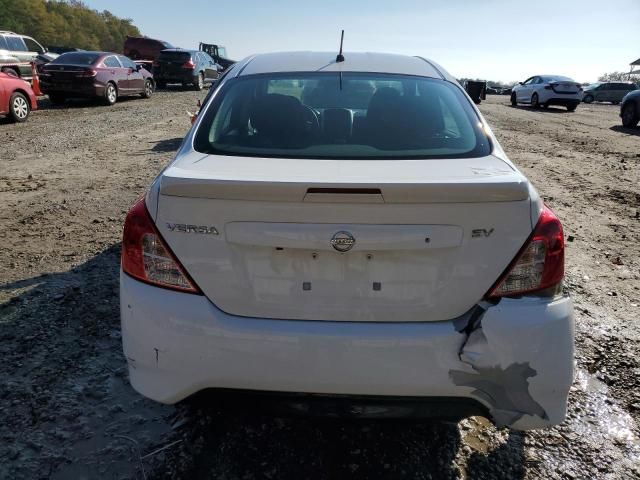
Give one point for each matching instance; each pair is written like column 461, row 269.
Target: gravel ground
column 67, row 411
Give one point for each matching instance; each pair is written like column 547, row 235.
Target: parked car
column 546, row 90
column 16, row 98
column 94, row 74
column 188, row 67
column 323, row 234
column 612, row 92
column 16, row 51
column 60, row 49
column 630, row 109
column 144, row 48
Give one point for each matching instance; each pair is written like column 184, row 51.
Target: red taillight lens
column 190, row 65
column 540, row 263
column 146, row 257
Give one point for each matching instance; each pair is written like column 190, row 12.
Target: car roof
column 353, row 62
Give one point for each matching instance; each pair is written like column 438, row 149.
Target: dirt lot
column 67, row 179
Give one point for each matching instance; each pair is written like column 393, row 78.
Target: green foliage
column 66, row 23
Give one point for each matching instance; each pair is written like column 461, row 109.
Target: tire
column 19, row 108
column 57, row 98
column 148, row 89
column 630, row 115
column 571, row 108
column 588, row 99
column 535, row 103
column 110, row 94
column 514, row 100
column 198, row 85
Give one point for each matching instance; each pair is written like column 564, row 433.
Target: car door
column 135, row 79
column 210, row 68
column 4, row 101
column 523, row 92
column 601, row 93
column 116, row 73
column 33, row 48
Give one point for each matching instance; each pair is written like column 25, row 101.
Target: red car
column 16, row 98
column 94, row 74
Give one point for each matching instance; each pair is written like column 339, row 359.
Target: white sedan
column 546, row 90
column 350, row 234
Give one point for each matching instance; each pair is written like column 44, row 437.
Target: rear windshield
column 174, row 56
column 556, row 78
column 348, row 116
column 77, row 58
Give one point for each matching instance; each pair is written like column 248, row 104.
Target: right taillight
column 539, row 266
column 146, row 257
column 189, row 64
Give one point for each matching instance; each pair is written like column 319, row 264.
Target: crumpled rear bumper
column 515, row 358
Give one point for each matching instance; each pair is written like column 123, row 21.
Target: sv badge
column 481, row 232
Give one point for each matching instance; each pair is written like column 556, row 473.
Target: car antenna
column 340, row 57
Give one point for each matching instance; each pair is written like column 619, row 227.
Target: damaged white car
column 346, row 235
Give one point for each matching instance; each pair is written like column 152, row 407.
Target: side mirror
column 520, row 83
column 138, row 67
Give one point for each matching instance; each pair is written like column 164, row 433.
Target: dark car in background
column 612, row 92
column 187, row 67
column 630, row 109
column 144, row 48
column 94, row 74
column 16, row 98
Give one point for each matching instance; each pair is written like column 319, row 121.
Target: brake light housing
column 88, row 73
column 146, row 256
column 189, row 64
column 538, row 268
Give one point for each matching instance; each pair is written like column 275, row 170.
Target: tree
column 69, row 23
column 619, row 77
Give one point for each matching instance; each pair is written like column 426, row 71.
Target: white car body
column 362, row 278
column 546, row 90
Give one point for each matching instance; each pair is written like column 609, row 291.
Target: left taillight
column 189, row 65
column 90, row 73
column 146, row 257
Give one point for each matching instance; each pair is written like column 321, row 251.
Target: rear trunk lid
column 171, row 63
column 565, row 87
column 343, row 240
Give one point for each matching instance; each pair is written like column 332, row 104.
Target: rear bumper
column 516, row 364
column 187, row 77
column 72, row 90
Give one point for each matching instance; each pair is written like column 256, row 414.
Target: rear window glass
column 348, row 116
column 174, row 56
column 77, row 58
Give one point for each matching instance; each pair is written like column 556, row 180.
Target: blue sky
column 492, row 39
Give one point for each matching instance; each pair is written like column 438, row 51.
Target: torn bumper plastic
column 517, row 360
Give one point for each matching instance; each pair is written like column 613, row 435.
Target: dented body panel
column 515, row 358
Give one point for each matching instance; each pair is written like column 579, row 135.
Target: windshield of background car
column 174, row 56
column 77, row 58
column 348, row 116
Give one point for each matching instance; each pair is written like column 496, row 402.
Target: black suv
column 188, row 67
